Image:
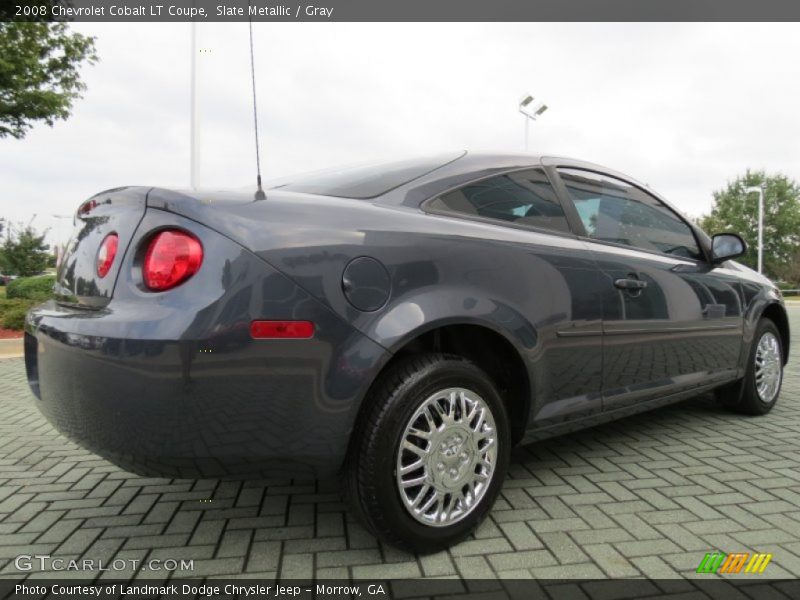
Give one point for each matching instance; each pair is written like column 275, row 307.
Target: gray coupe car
column 403, row 324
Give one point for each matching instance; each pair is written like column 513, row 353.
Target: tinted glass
column 613, row 210
column 366, row 181
column 523, row 198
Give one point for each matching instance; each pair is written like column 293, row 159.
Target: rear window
column 367, row 181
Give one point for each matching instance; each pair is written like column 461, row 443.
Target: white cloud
column 683, row 107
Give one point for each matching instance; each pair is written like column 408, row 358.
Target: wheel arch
column 483, row 344
column 776, row 313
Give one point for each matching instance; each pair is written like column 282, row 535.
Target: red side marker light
column 106, row 254
column 269, row 330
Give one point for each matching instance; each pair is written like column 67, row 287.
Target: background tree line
column 40, row 63
column 736, row 211
column 24, row 251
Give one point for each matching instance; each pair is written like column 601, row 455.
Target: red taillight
column 261, row 330
column 106, row 254
column 172, row 257
column 87, row 207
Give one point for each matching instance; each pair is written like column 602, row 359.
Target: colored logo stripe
column 719, row 562
column 758, row 563
column 711, row 562
column 734, row 562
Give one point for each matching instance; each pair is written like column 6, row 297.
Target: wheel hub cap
column 454, row 457
column 447, row 457
column 768, row 367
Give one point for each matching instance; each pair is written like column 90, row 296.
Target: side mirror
column 725, row 246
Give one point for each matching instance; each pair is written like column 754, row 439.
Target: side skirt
column 605, row 417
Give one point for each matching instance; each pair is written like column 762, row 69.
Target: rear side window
column 614, row 210
column 523, row 198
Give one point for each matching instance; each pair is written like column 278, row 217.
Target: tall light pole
column 530, row 111
column 61, row 243
column 193, row 141
column 760, row 190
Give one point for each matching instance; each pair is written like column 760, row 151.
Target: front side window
column 613, row 210
column 522, row 198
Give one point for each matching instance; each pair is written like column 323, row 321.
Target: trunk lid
column 118, row 211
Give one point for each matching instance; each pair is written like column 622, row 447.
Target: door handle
column 630, row 284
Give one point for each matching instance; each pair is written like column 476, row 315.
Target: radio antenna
column 260, row 195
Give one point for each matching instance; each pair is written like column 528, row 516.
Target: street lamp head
column 530, row 111
column 753, row 188
column 525, row 101
column 530, row 108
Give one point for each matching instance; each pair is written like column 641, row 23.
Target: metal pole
column 61, row 244
column 193, row 112
column 760, row 228
column 527, row 124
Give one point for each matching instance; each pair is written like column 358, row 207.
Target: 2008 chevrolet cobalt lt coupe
column 405, row 324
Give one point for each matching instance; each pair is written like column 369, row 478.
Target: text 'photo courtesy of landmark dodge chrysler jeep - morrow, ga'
column 403, row 324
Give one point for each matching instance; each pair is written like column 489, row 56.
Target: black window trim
column 425, row 205
column 584, row 235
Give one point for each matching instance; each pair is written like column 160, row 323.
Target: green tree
column 3, row 226
column 25, row 252
column 735, row 211
column 790, row 270
column 39, row 73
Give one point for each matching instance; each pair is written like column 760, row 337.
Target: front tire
column 430, row 453
column 757, row 392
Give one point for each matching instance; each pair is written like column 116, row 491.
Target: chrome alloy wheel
column 447, row 457
column 768, row 367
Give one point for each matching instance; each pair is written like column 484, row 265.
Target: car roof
column 477, row 165
column 462, row 167
column 477, row 161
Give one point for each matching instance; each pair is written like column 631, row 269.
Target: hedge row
column 12, row 312
column 21, row 295
column 31, row 288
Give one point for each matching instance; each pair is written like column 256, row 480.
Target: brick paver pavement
column 645, row 496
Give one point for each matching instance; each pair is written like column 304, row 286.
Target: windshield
column 367, row 181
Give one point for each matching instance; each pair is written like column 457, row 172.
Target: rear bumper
column 198, row 408
column 176, row 387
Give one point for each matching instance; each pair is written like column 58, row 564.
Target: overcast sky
column 683, row 107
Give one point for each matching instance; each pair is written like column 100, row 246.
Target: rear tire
column 757, row 392
column 430, row 453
